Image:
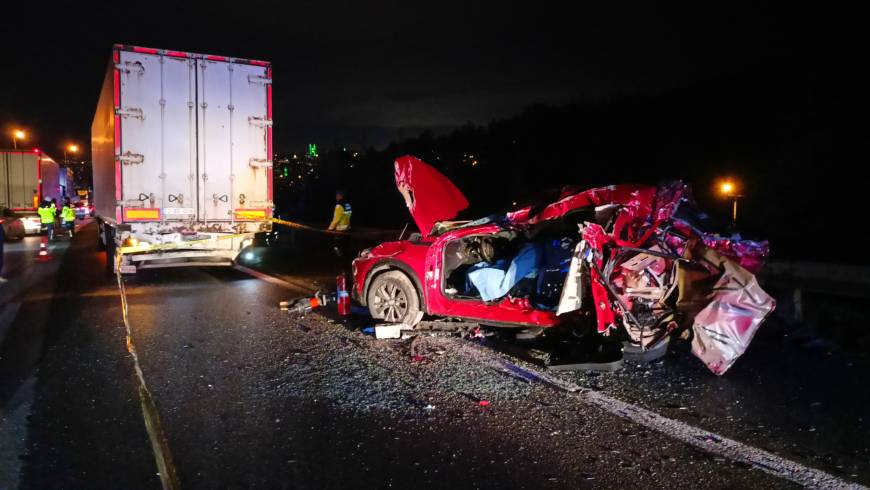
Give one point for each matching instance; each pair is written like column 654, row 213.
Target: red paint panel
column 269, row 155
column 39, row 180
column 116, row 82
column 137, row 49
column 269, row 183
column 118, row 195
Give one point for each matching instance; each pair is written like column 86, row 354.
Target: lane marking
column 702, row 439
column 273, row 280
column 159, row 442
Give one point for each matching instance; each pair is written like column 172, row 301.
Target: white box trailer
column 182, row 152
column 26, row 178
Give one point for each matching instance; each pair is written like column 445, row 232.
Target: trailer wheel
column 101, row 236
column 393, row 298
column 109, row 236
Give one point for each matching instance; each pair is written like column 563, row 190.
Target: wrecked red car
column 622, row 260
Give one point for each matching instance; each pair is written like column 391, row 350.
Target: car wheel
column 393, row 298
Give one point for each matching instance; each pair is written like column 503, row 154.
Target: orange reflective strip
column 141, row 214
column 250, row 214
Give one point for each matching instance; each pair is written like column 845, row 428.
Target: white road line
column 272, row 279
column 704, row 440
column 167, row 470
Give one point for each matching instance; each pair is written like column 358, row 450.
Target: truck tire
column 101, row 235
column 109, row 235
column 392, row 297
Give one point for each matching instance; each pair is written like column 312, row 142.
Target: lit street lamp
column 729, row 189
column 69, row 148
column 17, row 135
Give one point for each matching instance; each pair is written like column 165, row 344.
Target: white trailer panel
column 26, row 177
column 185, row 151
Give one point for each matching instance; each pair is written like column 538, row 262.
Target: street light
column 17, row 135
column 72, row 148
column 729, row 190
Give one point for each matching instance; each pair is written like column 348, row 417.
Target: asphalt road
column 251, row 397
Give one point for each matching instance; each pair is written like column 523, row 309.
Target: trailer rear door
column 158, row 133
column 233, row 163
column 20, row 172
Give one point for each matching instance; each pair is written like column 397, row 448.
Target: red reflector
column 141, row 214
column 36, row 150
column 144, row 50
column 258, row 62
column 216, row 58
column 177, row 54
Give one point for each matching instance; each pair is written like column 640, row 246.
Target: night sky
column 361, row 73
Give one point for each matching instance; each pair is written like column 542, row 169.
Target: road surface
column 251, row 397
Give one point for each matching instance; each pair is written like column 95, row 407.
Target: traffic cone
column 43, row 256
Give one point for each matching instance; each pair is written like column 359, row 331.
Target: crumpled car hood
column 429, row 195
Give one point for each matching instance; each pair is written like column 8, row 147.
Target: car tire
column 393, row 298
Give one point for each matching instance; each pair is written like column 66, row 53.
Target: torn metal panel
column 737, row 307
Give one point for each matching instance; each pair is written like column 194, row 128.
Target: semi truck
column 26, row 178
column 181, row 146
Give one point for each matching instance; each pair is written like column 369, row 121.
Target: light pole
column 72, row 148
column 729, row 189
column 17, row 135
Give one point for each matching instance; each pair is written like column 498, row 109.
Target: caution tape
column 141, row 248
column 300, row 226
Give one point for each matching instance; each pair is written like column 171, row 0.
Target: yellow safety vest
column 46, row 215
column 341, row 217
column 68, row 214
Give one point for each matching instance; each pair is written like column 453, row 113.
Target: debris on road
column 304, row 305
column 390, row 330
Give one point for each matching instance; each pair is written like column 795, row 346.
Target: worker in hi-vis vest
column 47, row 215
column 68, row 217
column 342, row 213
